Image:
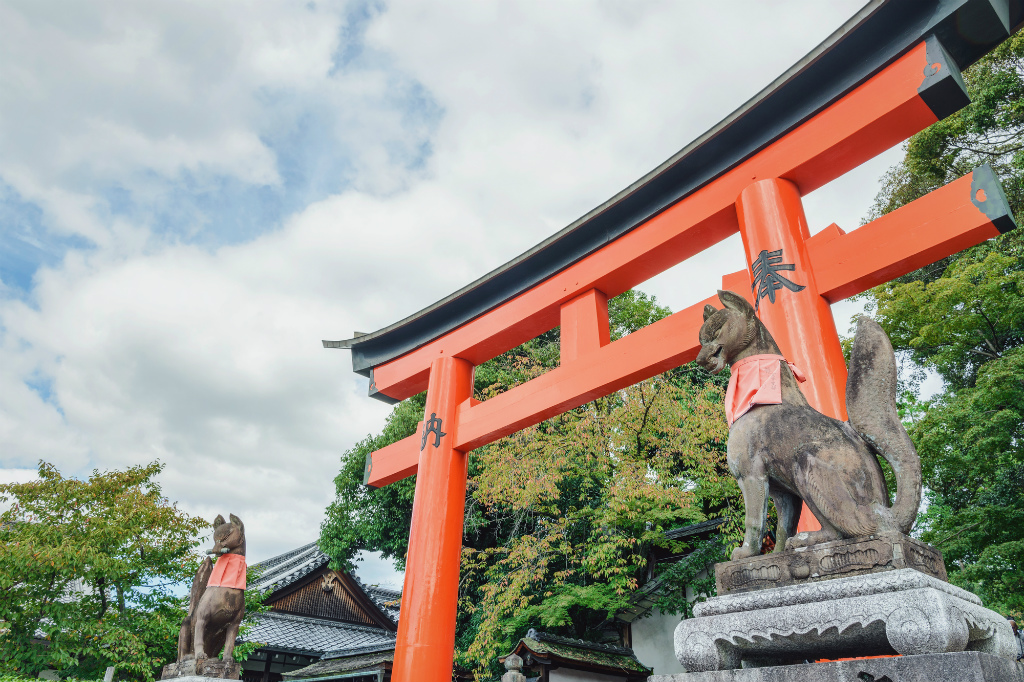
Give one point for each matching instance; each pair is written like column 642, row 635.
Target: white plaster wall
column 653, row 643
column 567, row 675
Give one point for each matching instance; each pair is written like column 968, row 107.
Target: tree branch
column 958, row 533
column 995, row 334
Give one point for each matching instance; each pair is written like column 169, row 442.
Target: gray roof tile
column 284, row 569
column 365, row 659
column 314, row 635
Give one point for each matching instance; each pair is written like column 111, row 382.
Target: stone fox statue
column 217, row 602
column 779, row 446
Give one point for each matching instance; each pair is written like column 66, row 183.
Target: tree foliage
column 561, row 517
column 565, row 513
column 86, row 570
column 963, row 319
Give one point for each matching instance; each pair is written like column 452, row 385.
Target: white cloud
column 210, row 358
column 115, row 89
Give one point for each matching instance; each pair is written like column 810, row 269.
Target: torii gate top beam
column 877, row 37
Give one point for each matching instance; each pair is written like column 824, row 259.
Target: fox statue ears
column 733, row 302
column 235, row 521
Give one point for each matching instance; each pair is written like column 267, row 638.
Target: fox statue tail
column 186, row 643
column 199, row 583
column 871, row 406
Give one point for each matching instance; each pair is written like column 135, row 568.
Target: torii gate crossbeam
column 914, row 83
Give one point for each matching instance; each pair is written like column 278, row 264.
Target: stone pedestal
column 856, row 556
column 878, row 595
column 191, row 670
column 897, row 612
column 968, row 666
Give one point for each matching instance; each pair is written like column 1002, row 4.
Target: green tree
column 564, row 514
column 86, row 571
column 560, row 517
column 255, row 604
column 963, row 319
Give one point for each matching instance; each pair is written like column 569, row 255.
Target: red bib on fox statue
column 229, row 571
column 756, row 381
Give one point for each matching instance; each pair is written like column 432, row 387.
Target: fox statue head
column 731, row 333
column 228, row 536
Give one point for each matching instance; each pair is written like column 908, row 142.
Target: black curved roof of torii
column 879, row 33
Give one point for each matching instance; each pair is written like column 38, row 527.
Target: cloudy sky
column 194, row 194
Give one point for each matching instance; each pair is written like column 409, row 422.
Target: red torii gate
column 889, row 73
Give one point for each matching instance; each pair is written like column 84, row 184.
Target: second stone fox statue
column 217, row 600
column 780, row 447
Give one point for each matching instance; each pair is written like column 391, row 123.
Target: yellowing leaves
column 584, row 497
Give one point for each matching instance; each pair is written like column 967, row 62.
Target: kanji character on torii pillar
column 889, row 73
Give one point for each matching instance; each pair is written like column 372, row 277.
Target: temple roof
column 579, row 654
column 646, row 597
column 694, row 529
column 370, row 658
column 285, row 569
column 389, row 601
column 303, row 634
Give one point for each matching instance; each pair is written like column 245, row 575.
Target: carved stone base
column 204, row 668
column 968, row 666
column 856, row 556
column 902, row 611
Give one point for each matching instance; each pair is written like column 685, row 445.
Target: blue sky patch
column 316, row 142
column 25, row 242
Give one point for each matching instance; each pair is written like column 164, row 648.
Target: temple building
column 550, row 658
column 327, row 625
column 643, row 627
column 314, row 611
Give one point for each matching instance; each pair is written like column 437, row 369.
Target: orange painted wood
column 739, row 283
column 807, row 521
column 924, row 231
column 667, row 343
column 831, row 232
column 772, row 218
column 405, row 451
column 878, row 114
column 394, row 462
column 866, row 258
column 584, row 325
column 426, row 630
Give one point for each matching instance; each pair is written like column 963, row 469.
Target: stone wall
column 652, row 642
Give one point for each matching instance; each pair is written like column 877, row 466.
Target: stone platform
column 968, row 666
column 899, row 611
column 190, row 670
column 857, row 556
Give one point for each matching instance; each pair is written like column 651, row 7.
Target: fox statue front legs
column 788, row 507
column 754, row 486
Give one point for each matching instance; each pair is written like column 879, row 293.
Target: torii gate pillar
column 426, row 630
column 773, row 225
